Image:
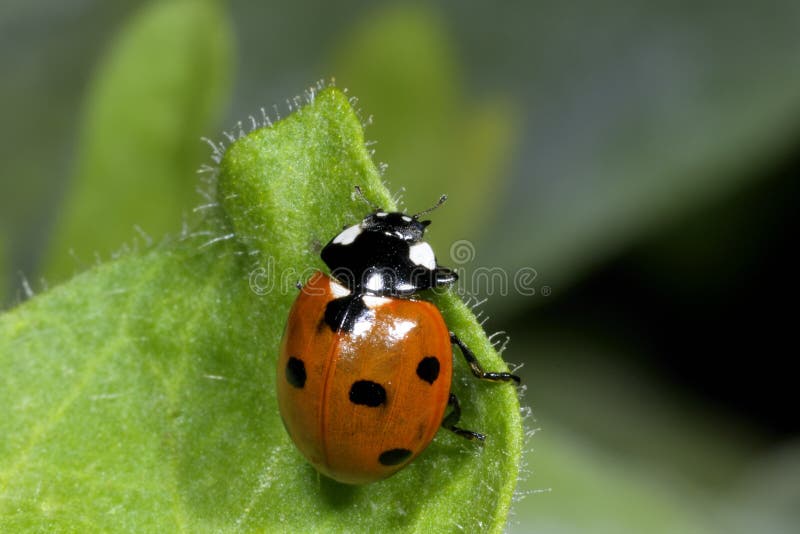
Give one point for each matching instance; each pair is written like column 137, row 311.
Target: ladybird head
column 395, row 224
column 385, row 254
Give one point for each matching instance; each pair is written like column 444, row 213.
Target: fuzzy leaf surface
column 140, row 395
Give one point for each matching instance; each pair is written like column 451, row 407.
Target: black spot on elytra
column 367, row 393
column 428, row 369
column 394, row 456
column 342, row 314
column 296, row 372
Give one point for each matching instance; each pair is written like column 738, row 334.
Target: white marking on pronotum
column 348, row 235
column 381, row 214
column 371, row 301
column 422, row 254
column 375, row 282
column 406, row 218
column 338, row 289
column 405, row 287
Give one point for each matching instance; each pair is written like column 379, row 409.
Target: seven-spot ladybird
column 365, row 367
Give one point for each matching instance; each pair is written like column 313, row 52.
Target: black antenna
column 365, row 199
column 438, row 203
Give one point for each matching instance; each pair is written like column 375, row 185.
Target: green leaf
column 437, row 138
column 158, row 90
column 140, row 395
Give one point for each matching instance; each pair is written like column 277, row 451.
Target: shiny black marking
column 375, row 251
column 444, row 277
column 475, row 366
column 452, row 418
column 296, row 372
column 428, row 369
column 394, row 456
column 367, row 393
column 342, row 314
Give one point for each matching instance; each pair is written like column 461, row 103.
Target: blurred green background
column 640, row 158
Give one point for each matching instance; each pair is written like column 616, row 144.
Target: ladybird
column 365, row 366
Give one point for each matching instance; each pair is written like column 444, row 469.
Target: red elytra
column 362, row 404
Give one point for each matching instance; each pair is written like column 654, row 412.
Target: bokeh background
column 641, row 157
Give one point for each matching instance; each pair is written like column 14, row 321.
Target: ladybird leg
column 449, row 422
column 475, row 366
column 442, row 276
